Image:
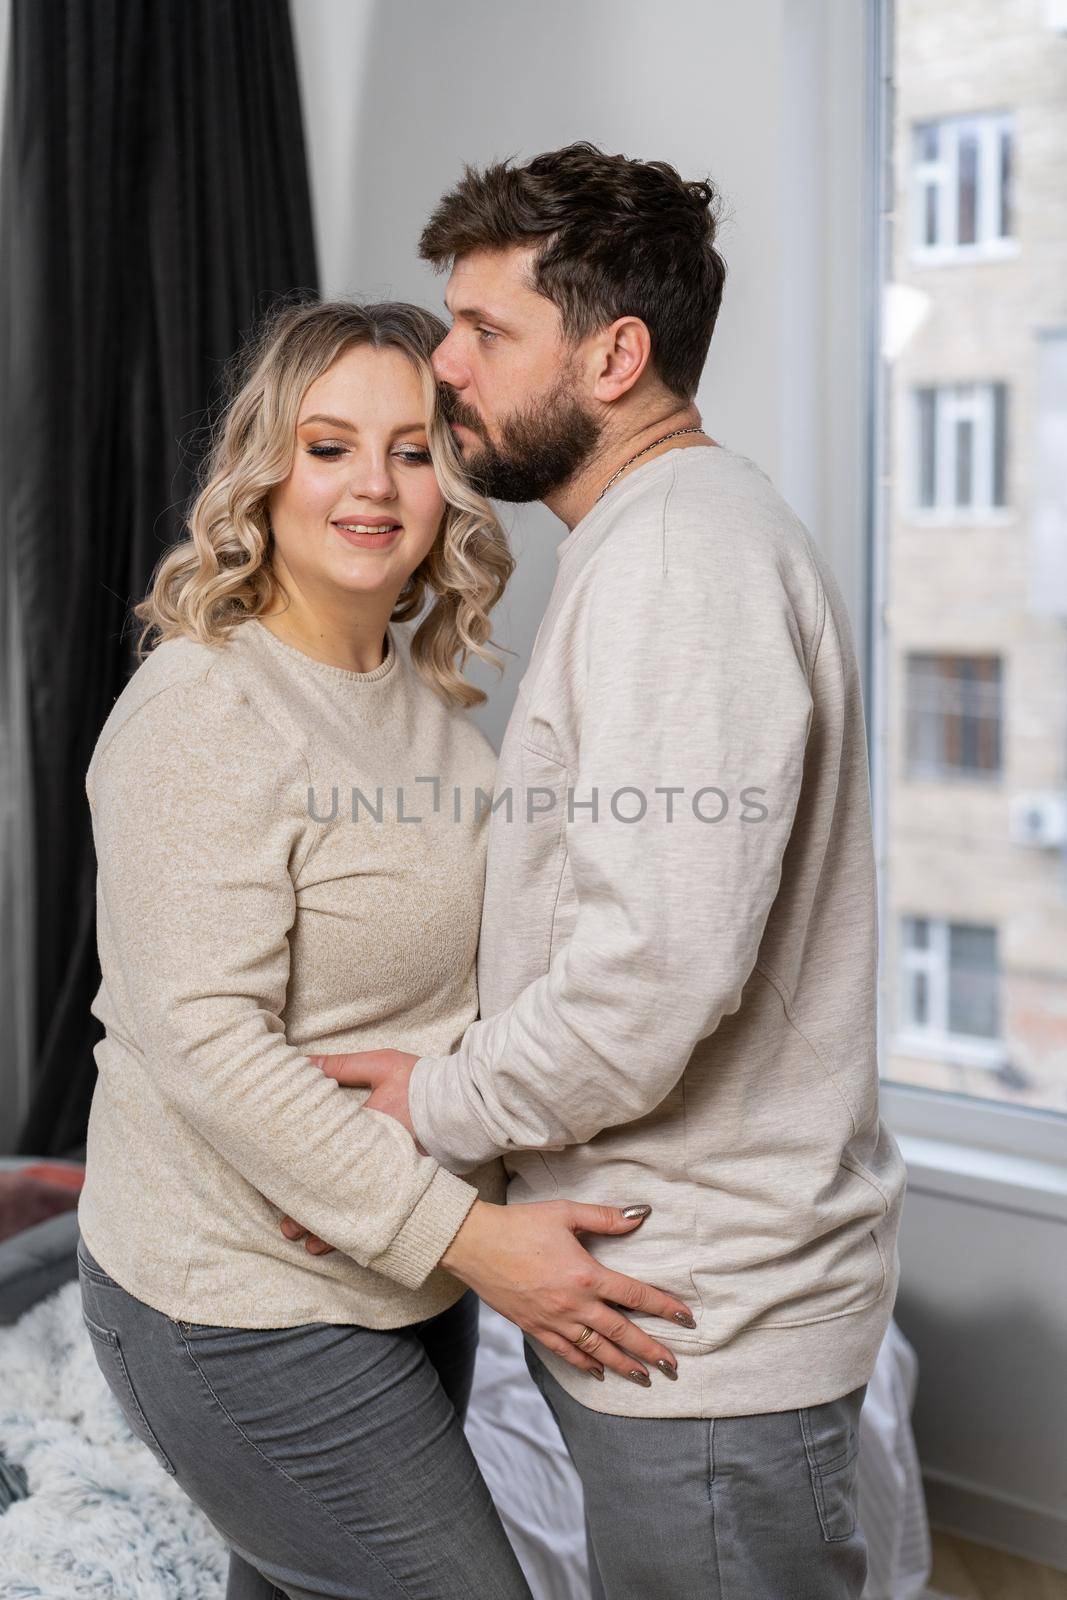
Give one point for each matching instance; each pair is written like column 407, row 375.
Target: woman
column 291, row 860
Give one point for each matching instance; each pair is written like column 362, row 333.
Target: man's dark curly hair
column 617, row 238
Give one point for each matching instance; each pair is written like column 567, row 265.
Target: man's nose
column 445, row 365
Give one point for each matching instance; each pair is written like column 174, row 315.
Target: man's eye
column 486, row 335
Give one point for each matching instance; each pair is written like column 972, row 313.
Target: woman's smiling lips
column 370, row 533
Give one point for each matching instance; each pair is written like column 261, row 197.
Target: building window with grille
column 963, row 172
column 960, row 449
column 953, row 715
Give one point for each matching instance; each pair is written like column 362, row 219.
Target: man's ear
column 621, row 352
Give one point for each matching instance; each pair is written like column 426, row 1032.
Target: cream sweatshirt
column 678, row 958
column 283, row 869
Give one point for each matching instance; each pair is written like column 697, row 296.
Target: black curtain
column 154, row 198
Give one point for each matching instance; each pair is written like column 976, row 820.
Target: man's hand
column 386, row 1074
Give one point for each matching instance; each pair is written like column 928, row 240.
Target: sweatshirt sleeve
column 691, row 676
column 199, row 832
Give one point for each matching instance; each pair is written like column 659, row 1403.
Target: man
column 677, row 967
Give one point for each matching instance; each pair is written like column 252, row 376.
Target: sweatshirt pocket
column 845, row 1269
column 775, row 1265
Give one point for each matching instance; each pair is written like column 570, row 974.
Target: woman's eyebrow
column 350, row 427
column 332, row 422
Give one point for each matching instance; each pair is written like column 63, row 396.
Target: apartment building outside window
column 950, row 990
column 964, row 185
column 961, row 448
column 953, row 709
column 969, row 588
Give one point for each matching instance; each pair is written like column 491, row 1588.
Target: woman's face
column 361, row 507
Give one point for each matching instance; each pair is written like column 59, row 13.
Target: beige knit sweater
column 245, row 920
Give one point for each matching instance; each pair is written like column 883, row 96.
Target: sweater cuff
column 427, row 1233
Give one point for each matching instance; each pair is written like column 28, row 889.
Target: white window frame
column 954, row 402
column 943, row 174
column 935, row 1041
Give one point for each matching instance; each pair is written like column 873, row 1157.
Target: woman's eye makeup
column 413, row 454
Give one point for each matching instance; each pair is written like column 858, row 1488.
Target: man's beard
column 539, row 449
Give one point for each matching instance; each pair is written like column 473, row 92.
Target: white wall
column 398, row 96
column 983, row 1298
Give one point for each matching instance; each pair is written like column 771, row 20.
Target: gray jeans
column 727, row 1508
column 330, row 1458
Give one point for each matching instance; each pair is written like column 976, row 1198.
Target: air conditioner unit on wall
column 1039, row 819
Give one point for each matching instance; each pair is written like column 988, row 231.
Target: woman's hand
column 526, row 1262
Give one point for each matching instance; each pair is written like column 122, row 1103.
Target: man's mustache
column 454, row 410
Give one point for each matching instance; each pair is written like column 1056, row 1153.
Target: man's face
column 512, row 386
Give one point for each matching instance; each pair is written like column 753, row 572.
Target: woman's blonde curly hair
column 221, row 575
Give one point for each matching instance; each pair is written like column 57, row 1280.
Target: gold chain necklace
column 675, row 435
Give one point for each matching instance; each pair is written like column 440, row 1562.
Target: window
column 970, row 427
column 950, row 987
column 1048, row 525
column 1056, row 15
column 961, row 448
column 953, row 715
column 963, row 183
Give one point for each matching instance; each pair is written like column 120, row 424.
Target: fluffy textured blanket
column 102, row 1519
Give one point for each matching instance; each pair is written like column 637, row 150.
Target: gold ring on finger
column 584, row 1337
